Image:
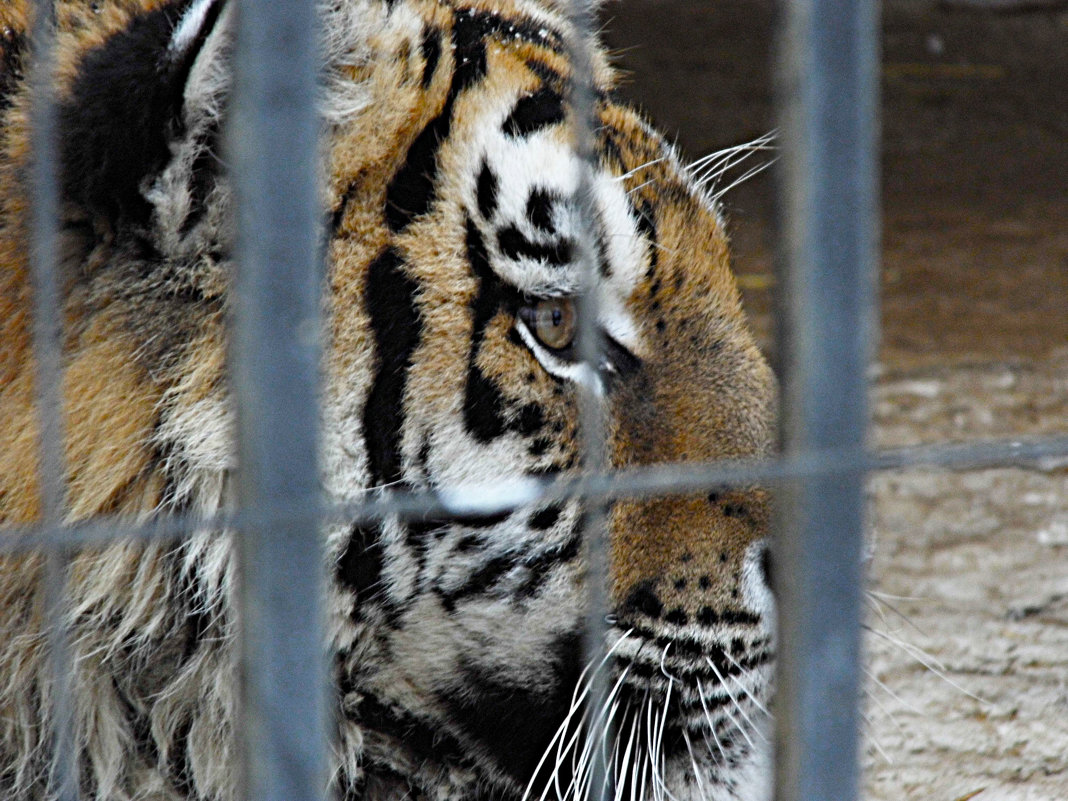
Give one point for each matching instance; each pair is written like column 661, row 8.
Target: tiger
column 448, row 176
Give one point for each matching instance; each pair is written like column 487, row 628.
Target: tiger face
column 453, row 270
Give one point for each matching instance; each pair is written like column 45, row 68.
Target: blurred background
column 968, row 649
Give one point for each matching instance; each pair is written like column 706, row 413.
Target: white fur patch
column 189, row 26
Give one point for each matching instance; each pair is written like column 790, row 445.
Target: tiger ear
column 132, row 98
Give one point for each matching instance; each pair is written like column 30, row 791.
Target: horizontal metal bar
column 1040, row 454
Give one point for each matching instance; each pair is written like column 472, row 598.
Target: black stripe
column 622, row 360
column 604, row 265
column 396, row 324
column 539, row 446
column 350, row 195
column 483, row 402
column 196, row 620
column 431, row 49
column 690, row 648
column 541, row 109
column 486, row 411
column 546, row 73
column 700, row 669
column 360, row 566
column 677, row 616
column 206, row 167
column 13, row 45
column 184, row 63
column 479, row 582
column 647, row 226
column 412, row 735
column 641, row 600
column 541, row 565
column 707, row 616
column 515, row 723
column 487, row 192
column 508, row 29
column 634, row 690
column 540, row 210
column 611, row 153
column 515, row 245
column 179, row 768
column 491, row 573
column 412, row 190
column 120, row 112
column 546, row 518
column 528, row 420
column 416, row 535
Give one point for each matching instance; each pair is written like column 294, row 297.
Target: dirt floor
column 968, row 659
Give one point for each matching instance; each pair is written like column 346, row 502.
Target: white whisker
column 874, row 740
column 711, row 723
column 886, row 710
column 620, row 763
column 578, row 697
column 929, row 662
column 719, row 168
column 881, row 602
column 693, row 762
column 891, row 693
column 640, row 167
column 714, row 166
column 749, row 174
column 738, row 706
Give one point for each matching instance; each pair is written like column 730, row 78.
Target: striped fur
column 448, row 178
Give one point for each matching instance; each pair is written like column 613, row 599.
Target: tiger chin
column 448, row 180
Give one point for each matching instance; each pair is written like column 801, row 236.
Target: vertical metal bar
column 591, row 402
column 273, row 140
column 48, row 389
column 827, row 94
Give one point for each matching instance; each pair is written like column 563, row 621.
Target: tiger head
column 450, row 178
column 456, row 269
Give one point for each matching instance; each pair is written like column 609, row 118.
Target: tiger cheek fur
column 449, row 176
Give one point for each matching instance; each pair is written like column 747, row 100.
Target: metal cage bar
column 1030, row 453
column 827, row 90
column 48, row 390
column 273, row 138
column 591, row 397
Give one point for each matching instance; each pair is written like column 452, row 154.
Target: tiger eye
column 554, row 322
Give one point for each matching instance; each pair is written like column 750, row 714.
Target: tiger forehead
column 423, row 57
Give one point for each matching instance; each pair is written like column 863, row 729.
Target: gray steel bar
column 827, row 91
column 584, row 113
column 273, row 142
column 1042, row 454
column 48, row 388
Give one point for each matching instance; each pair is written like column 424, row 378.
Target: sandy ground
column 968, row 686
column 968, row 659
